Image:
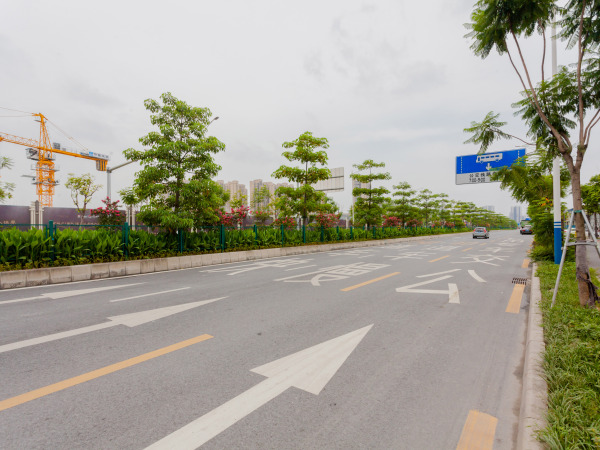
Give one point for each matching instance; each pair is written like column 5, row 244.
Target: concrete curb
column 65, row 274
column 534, row 398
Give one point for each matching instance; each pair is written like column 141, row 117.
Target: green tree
column 175, row 183
column 6, row 188
column 303, row 200
column 369, row 205
column 403, row 204
column 562, row 111
column 590, row 193
column 82, row 189
column 428, row 203
column 530, row 182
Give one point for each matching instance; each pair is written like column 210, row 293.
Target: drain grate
column 517, row 280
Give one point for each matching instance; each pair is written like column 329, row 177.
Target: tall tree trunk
column 586, row 288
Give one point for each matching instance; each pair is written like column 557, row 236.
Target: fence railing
column 34, row 245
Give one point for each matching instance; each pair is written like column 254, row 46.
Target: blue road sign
column 471, row 169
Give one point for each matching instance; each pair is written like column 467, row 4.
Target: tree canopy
column 370, row 200
column 175, row 183
column 303, row 200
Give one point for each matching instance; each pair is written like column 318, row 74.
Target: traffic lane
column 84, row 405
column 132, row 307
column 420, row 383
column 286, row 326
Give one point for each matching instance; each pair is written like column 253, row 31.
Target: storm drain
column 517, row 280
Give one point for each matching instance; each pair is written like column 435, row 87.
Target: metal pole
column 109, row 170
column 556, row 173
column 562, row 260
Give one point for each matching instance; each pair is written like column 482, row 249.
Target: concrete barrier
column 84, row 272
column 100, row 270
column 117, row 269
column 37, row 277
column 66, row 274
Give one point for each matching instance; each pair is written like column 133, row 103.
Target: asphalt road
column 417, row 345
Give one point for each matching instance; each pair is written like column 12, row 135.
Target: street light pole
column 109, row 170
column 556, row 174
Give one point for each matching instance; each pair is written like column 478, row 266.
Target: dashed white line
column 148, row 295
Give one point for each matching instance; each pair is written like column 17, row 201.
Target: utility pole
column 556, row 174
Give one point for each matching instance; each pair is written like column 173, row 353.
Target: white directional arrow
column 65, row 294
column 309, row 370
column 130, row 320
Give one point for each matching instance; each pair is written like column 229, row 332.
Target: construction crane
column 43, row 152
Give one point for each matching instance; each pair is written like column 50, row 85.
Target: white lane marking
column 148, row 295
column 477, row 277
column 453, row 290
column 423, row 291
column 438, row 273
column 298, row 268
column 21, row 300
column 309, row 370
column 130, row 320
column 65, row 294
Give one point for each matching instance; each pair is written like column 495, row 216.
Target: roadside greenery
column 571, row 363
column 529, row 181
column 46, row 248
column 6, row 188
column 82, row 190
column 304, row 201
column 560, row 111
column 370, row 200
column 175, row 185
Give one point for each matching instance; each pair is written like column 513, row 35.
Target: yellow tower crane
column 43, row 152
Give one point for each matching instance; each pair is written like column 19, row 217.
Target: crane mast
column 43, row 152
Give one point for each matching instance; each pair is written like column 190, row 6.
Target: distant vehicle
column 527, row 230
column 481, row 232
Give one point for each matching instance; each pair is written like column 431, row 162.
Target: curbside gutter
column 534, row 398
column 65, row 274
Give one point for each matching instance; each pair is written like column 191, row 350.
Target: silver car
column 481, row 232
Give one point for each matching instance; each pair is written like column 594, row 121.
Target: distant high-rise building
column 515, row 213
column 491, row 208
column 235, row 189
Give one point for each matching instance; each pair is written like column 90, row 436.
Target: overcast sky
column 388, row 80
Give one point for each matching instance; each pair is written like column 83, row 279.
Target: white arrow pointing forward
column 309, row 369
column 130, row 320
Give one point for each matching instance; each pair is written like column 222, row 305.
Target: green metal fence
column 48, row 244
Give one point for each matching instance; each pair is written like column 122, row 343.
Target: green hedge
column 57, row 247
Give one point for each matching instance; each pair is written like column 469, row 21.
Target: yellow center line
column 37, row 393
column 467, row 249
column 525, row 264
column 434, row 260
column 514, row 304
column 369, row 282
column 478, row 432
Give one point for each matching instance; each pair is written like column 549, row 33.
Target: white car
column 481, row 232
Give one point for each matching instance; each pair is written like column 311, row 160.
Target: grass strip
column 571, row 363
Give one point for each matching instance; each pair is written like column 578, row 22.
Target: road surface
column 416, row 345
